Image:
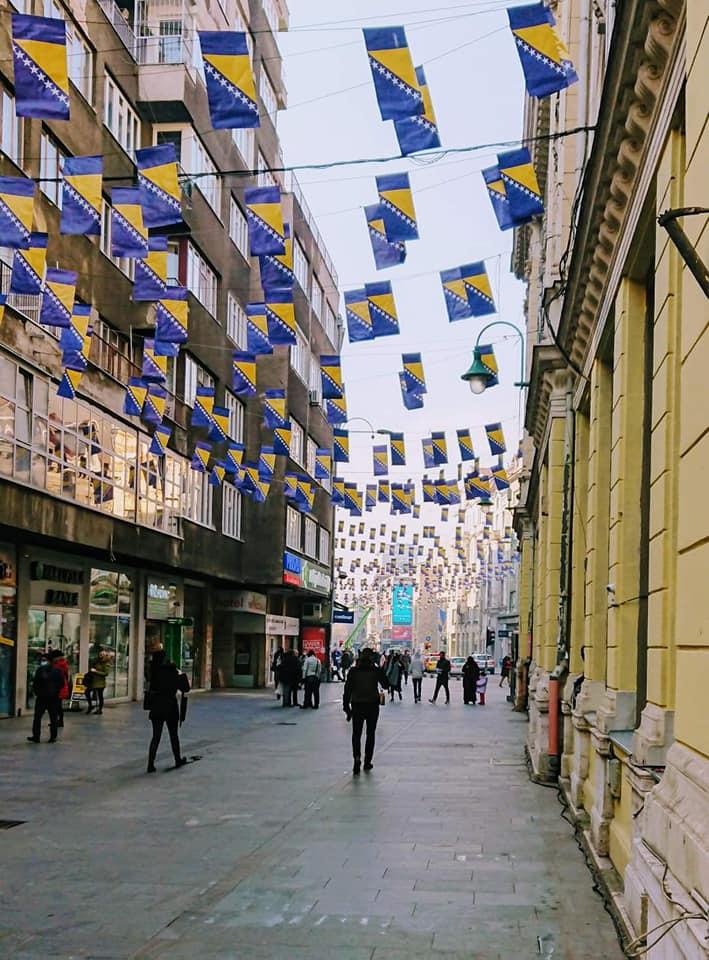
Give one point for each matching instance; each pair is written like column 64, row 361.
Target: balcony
column 118, row 18
column 291, row 185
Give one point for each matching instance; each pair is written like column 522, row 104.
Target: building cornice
column 548, row 377
column 647, row 44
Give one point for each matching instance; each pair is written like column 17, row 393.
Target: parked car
column 484, row 662
column 457, row 664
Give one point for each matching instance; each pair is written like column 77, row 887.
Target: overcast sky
column 477, row 92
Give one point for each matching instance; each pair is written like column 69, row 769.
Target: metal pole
column 506, row 323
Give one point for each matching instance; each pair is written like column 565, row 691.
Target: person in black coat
column 360, row 701
column 443, row 670
column 47, row 685
column 290, row 675
column 165, row 682
column 471, row 675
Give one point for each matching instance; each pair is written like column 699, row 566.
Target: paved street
column 267, row 848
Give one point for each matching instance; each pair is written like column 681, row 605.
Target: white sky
column 477, row 90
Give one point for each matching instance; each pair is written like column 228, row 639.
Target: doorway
column 51, row 630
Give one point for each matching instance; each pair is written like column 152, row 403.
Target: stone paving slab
column 268, row 849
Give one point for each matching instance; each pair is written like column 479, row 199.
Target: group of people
column 292, row 671
column 51, row 687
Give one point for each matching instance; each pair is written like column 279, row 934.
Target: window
column 110, row 350
column 268, row 94
column 292, row 528
column 80, row 56
column 317, row 298
column 125, row 264
column 209, row 186
column 330, row 324
column 264, row 176
column 119, row 117
column 310, row 454
column 195, row 376
column 235, row 321
column 171, row 136
column 201, row 280
column 173, row 263
column 231, row 511
column 297, row 439
column 198, row 499
column 300, row 265
column 51, row 162
column 310, row 536
column 243, row 137
column 300, row 356
column 170, row 42
column 236, row 416
column 315, row 379
column 11, row 129
column 238, row 228
column 324, row 546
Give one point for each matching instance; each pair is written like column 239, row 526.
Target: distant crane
column 357, row 627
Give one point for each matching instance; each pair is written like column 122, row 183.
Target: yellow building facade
column 613, row 518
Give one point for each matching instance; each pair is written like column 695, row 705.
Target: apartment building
column 101, row 542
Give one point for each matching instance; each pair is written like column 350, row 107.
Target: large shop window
column 76, row 452
column 110, row 627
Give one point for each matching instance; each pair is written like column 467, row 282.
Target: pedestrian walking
column 471, row 675
column 417, row 671
column 406, row 666
column 312, row 669
column 505, row 670
column 161, row 700
column 61, row 663
column 335, row 660
column 394, row 673
column 47, row 684
column 345, row 663
column 99, row 671
column 443, row 669
column 290, row 678
column 361, row 701
column 275, row 669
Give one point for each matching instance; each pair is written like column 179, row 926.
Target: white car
column 457, row 664
column 484, row 662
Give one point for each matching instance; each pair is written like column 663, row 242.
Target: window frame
column 199, row 499
column 11, row 128
column 50, row 168
column 238, row 228
column 125, row 264
column 115, row 101
column 299, row 356
column 235, row 321
column 297, row 443
column 301, row 265
column 324, row 555
column 194, row 375
column 237, row 414
column 201, row 162
column 293, row 517
column 310, row 537
column 232, row 511
column 202, row 279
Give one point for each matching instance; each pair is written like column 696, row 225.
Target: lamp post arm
column 506, row 323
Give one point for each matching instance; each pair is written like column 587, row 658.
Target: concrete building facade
column 611, row 519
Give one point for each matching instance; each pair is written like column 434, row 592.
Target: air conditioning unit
column 312, row 611
column 314, row 397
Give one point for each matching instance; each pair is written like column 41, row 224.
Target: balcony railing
column 122, row 27
column 26, row 304
column 175, row 49
column 292, row 186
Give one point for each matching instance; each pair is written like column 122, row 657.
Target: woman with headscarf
column 471, row 675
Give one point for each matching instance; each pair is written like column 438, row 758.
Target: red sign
column 402, row 634
column 314, row 639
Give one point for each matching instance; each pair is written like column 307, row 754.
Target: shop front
column 8, row 628
column 164, row 621
column 239, row 656
column 111, row 609
column 281, row 632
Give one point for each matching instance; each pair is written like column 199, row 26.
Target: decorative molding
column 549, row 375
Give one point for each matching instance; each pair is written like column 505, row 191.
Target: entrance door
column 51, row 630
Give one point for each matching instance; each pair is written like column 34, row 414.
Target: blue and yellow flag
column 336, row 410
column 267, row 232
column 172, row 316
column 257, row 339
column 75, row 339
column 370, row 496
column 281, row 439
column 521, row 186
column 69, row 384
column 353, row 499
column 160, row 193
column 465, row 445
column 274, row 409
column 290, row 486
column 397, row 448
column 231, row 89
column 159, row 442
column 81, row 196
column 217, row 474
column 496, row 438
column 380, row 461
column 338, row 492
column 498, row 198
column 386, row 253
column 489, row 361
column 234, row 457
column 129, row 235
column 201, row 455
column 40, row 61
column 266, row 463
column 440, row 447
column 331, row 376
column 28, row 266
column 243, row 374
column 455, row 294
column 419, row 132
column 58, row 297
column 397, row 207
column 151, row 272
column 219, row 427
column 384, row 492
column 545, row 60
column 412, row 399
column 203, row 407
column 16, row 212
column 154, row 404
column 499, row 475
column 413, row 372
column 154, row 368
column 341, row 445
column 277, row 270
column 382, row 308
column 136, row 391
column 427, row 450
column 359, row 320
column 280, row 316
column 395, row 83
column 477, row 288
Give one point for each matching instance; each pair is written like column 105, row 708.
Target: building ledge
column 548, row 373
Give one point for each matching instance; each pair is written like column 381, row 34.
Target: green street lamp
column 478, row 376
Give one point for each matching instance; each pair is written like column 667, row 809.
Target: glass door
column 51, row 630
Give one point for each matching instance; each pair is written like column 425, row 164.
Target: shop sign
column 162, row 600
column 292, row 626
column 402, row 634
column 50, row 571
column 61, row 598
column 293, row 567
column 316, row 578
column 275, row 625
column 242, row 601
column 314, row 639
column 342, row 616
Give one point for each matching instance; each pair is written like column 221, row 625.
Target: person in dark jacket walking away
column 345, row 663
column 471, row 675
column 417, row 672
column 505, row 670
column 47, row 685
column 443, row 669
column 290, row 678
column 360, row 701
column 165, row 682
column 60, row 662
column 394, row 670
column 312, row 669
